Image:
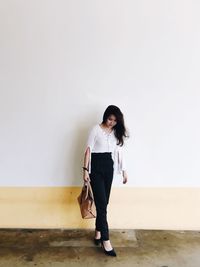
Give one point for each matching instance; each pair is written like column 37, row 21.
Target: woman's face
column 111, row 121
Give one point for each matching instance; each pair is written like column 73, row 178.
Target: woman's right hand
column 86, row 176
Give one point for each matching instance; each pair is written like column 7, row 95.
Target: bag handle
column 88, row 186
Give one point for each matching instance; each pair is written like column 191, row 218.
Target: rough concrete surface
column 58, row 248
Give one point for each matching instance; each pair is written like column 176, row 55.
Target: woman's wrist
column 85, row 169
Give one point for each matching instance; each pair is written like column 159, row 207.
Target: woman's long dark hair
column 120, row 130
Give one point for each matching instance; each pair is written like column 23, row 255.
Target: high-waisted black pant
column 101, row 177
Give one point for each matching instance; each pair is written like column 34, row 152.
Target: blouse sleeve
column 90, row 143
column 121, row 160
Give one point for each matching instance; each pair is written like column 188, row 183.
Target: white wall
column 63, row 62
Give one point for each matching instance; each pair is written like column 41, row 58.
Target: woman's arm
column 87, row 156
column 122, row 164
column 86, row 176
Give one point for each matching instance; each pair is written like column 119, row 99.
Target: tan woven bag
column 86, row 202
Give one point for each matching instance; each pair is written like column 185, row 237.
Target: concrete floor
column 28, row 247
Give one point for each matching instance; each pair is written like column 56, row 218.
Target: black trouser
column 101, row 180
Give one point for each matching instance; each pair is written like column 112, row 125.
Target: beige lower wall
column 137, row 208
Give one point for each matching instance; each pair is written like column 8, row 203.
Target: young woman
column 103, row 158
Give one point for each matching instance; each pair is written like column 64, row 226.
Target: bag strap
column 88, row 187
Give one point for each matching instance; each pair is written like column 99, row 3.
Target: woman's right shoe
column 108, row 252
column 97, row 241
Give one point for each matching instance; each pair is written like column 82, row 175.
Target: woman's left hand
column 125, row 177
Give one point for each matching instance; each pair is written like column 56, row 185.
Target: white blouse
column 100, row 141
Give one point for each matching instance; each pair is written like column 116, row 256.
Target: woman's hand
column 86, row 176
column 125, row 177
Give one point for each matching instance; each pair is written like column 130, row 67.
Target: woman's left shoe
column 108, row 252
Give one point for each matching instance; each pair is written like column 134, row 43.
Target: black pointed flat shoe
column 97, row 241
column 108, row 252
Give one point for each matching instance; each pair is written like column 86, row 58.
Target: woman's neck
column 106, row 128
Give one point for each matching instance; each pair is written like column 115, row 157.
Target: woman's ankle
column 97, row 234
